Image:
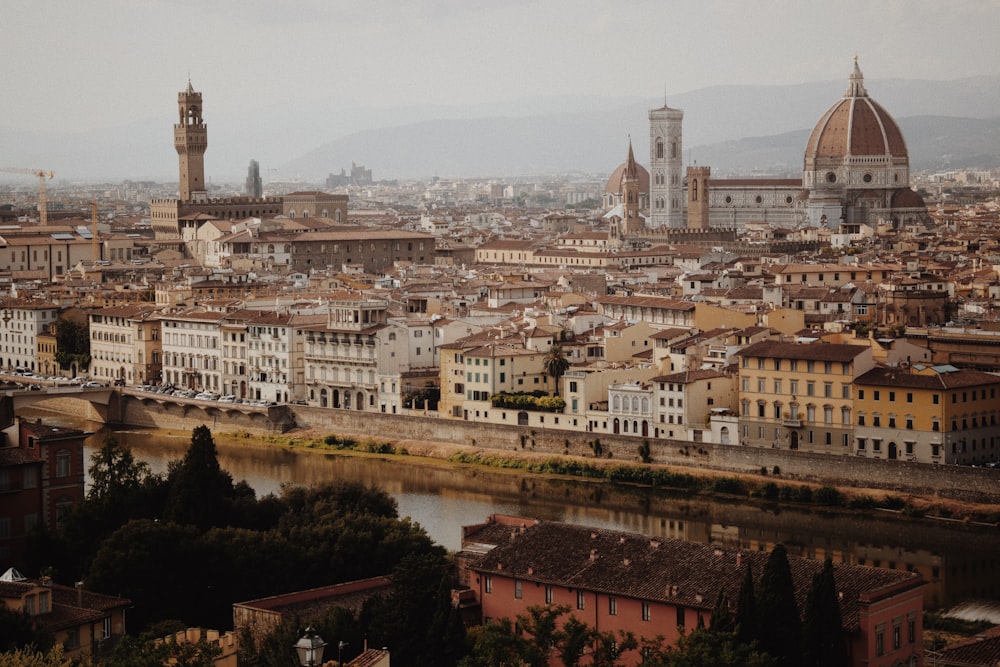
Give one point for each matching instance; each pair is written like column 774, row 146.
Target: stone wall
column 957, row 482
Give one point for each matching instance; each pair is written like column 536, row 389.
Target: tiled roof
column 663, row 570
column 952, row 378
column 774, row 349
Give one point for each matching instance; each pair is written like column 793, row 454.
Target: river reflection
column 958, row 561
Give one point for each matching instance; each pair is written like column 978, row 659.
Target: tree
column 722, row 617
column 822, row 629
column 32, row 657
column 199, row 487
column 114, row 472
column 154, row 650
column 555, row 364
column 72, row 344
column 781, row 632
column 18, row 630
column 746, row 610
column 705, row 648
column 493, row 644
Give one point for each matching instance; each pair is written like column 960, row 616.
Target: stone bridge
column 113, row 405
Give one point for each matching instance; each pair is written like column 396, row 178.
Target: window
column 895, row 637
column 892, row 397
column 645, row 611
column 861, row 394
column 518, row 591
column 62, row 463
column 44, row 603
column 909, row 397
column 876, row 420
column 911, row 630
column 612, row 605
column 680, row 617
column 488, row 584
column 936, row 399
column 581, row 600
column 879, row 643
column 548, row 595
column 877, row 395
column 810, row 388
column 777, row 386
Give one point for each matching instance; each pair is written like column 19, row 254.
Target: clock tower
column 191, row 141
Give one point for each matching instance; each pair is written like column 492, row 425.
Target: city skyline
column 447, row 53
column 280, row 84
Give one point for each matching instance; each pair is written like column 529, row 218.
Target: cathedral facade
column 855, row 171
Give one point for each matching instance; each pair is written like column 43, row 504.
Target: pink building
column 656, row 586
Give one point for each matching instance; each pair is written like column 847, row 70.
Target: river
column 959, row 561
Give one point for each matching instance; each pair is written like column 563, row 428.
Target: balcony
column 791, row 423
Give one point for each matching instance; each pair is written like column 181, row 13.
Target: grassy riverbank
column 766, row 488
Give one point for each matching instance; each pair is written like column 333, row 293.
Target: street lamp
column 310, row 648
column 340, row 649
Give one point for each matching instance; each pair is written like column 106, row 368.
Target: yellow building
column 799, row 395
column 928, row 414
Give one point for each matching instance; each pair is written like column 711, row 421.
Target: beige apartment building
column 125, row 345
column 800, row 396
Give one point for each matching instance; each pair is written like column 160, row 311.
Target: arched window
column 617, row 403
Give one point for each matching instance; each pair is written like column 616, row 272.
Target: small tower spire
column 856, row 82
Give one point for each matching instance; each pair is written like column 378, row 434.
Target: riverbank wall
column 962, row 483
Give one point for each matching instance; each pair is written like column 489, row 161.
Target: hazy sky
column 79, row 65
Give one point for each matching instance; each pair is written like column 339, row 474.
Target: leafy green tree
column 114, row 472
column 746, row 610
column 555, row 364
column 822, row 630
column 72, row 344
column 152, row 650
column 32, row 657
column 404, row 620
column 781, row 629
column 609, row 647
column 705, row 648
column 576, row 637
column 495, row 643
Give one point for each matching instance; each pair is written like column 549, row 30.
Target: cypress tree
column 781, row 628
column 722, row 618
column 746, row 610
column 822, row 631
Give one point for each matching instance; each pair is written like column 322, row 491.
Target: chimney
column 739, row 559
column 593, row 554
column 654, row 544
column 626, row 562
column 79, row 594
column 531, row 570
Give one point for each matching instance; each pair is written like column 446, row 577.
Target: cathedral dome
column 614, row 186
column 856, row 126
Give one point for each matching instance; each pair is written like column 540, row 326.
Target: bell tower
column 666, row 188
column 191, row 141
column 631, row 222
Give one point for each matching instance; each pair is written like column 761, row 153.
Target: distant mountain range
column 746, row 129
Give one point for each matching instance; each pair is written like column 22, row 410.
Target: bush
column 804, row 494
column 768, row 491
column 829, row 496
column 893, row 503
column 729, row 485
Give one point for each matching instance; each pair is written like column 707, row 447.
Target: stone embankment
column 961, row 483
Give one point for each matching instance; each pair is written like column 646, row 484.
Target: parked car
column 34, row 387
column 90, row 384
column 229, row 398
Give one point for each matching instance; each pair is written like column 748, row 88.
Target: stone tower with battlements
column 191, row 141
column 698, row 202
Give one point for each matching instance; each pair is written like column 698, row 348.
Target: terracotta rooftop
column 664, row 570
column 774, row 349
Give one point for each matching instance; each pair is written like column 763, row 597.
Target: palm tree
column 555, row 364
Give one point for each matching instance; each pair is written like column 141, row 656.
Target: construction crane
column 41, row 174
